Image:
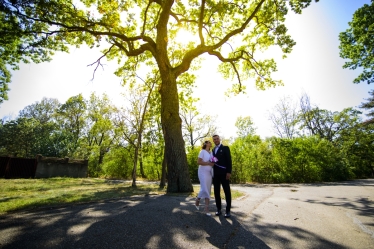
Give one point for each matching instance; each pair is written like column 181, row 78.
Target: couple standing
column 220, row 160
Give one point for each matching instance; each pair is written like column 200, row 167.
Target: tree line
column 312, row 144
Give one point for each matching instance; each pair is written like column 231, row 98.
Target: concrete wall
column 16, row 167
column 54, row 167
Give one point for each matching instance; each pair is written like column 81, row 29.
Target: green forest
column 312, row 144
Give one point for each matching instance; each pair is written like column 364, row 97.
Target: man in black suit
column 221, row 174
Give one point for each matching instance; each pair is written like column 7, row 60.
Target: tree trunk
column 101, row 156
column 191, row 140
column 177, row 167
column 134, row 169
column 163, row 171
column 141, row 165
column 141, row 158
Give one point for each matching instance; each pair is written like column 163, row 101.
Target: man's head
column 216, row 139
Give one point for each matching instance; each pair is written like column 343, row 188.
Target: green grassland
column 23, row 194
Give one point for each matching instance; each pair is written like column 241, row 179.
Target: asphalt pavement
column 327, row 215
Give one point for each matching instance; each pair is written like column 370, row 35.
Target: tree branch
column 98, row 62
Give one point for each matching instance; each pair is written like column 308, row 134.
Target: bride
column 205, row 176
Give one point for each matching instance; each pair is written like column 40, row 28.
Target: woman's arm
column 202, row 163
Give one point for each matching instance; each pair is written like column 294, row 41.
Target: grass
column 23, row 194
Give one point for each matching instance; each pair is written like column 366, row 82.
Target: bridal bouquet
column 213, row 159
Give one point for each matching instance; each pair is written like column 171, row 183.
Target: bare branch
column 98, row 62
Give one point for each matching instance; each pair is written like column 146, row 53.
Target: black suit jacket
column 224, row 159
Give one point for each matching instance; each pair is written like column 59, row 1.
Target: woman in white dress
column 205, row 176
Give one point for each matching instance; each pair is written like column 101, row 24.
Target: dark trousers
column 218, row 180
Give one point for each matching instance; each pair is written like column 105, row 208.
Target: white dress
column 205, row 176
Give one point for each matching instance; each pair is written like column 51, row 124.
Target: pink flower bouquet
column 213, row 159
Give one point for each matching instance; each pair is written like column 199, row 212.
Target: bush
column 118, row 163
column 192, row 155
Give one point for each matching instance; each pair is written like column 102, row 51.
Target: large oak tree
column 143, row 32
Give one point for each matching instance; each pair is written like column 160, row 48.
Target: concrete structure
column 54, row 167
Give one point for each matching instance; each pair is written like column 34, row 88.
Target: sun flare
column 184, row 37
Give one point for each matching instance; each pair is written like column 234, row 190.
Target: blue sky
column 314, row 67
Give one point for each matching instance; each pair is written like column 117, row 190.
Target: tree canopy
column 357, row 43
column 138, row 33
column 369, row 106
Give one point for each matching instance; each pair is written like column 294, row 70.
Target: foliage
column 245, row 126
column 324, row 123
column 246, row 163
column 347, row 154
column 356, row 146
column 5, row 78
column 192, row 156
column 71, row 118
column 132, row 122
column 152, row 161
column 118, row 163
column 43, row 111
column 369, row 106
column 357, row 43
column 154, row 149
column 18, row 45
column 18, row 137
column 98, row 133
column 305, row 160
column 280, row 160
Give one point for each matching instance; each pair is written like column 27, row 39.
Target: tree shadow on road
column 133, row 222
column 282, row 236
column 363, row 205
column 145, row 222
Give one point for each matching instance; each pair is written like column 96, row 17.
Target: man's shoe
column 227, row 215
column 218, row 213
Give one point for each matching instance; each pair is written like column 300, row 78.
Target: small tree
column 196, row 126
column 284, row 117
column 245, row 126
column 71, row 116
column 43, row 111
column 132, row 121
column 98, row 134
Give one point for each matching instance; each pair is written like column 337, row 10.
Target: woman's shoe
column 197, row 203
column 206, row 211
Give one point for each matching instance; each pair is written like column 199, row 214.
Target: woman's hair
column 204, row 144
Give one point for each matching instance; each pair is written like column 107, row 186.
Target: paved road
column 332, row 215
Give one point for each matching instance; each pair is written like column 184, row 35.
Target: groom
column 222, row 174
